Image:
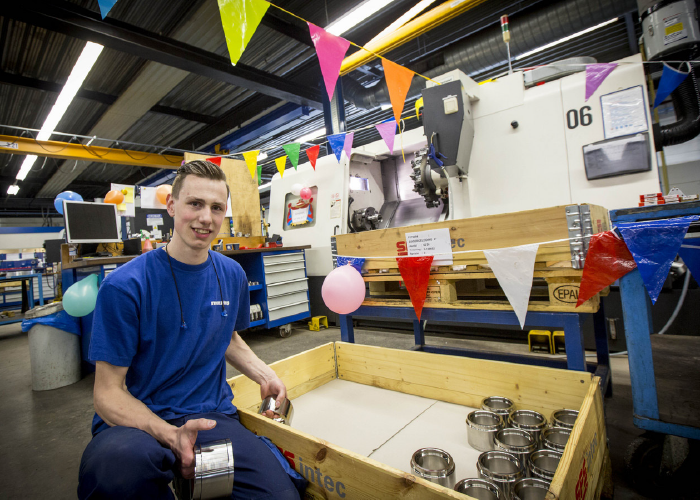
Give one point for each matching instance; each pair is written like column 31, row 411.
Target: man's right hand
column 184, row 440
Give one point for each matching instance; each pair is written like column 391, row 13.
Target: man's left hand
column 273, row 387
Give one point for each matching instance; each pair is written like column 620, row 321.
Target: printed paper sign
column 674, row 30
column 336, row 207
column 435, row 242
column 624, row 112
column 300, row 215
column 154, row 220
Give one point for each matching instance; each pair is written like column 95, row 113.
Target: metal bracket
column 334, row 252
column 578, row 220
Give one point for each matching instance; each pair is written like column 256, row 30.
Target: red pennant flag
column 608, row 259
column 415, row 272
column 216, row 160
column 398, row 80
column 312, row 153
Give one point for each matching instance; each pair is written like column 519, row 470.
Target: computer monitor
column 90, row 222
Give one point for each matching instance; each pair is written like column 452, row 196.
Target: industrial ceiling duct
column 485, row 50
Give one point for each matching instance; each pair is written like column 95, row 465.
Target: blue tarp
column 60, row 320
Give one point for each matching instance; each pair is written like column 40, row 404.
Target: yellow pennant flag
column 240, row 19
column 251, row 161
column 280, row 162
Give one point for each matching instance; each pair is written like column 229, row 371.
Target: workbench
column 27, row 294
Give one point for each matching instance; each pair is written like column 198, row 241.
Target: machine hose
column 686, row 103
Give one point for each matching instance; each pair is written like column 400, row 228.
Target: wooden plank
column 334, row 472
column 589, row 306
column 481, row 274
column 460, row 380
column 586, row 452
column 245, row 197
column 476, row 233
column 300, row 373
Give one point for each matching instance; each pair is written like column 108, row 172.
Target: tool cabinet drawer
column 278, row 276
column 288, row 310
column 271, row 260
column 287, row 299
column 284, row 287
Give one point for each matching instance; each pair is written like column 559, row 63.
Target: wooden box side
column 586, row 457
column 460, row 380
column 334, row 472
column 300, row 373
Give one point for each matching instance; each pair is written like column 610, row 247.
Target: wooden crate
column 583, row 472
column 469, row 282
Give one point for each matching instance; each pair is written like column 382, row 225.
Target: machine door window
column 299, row 213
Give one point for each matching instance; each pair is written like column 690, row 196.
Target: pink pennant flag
column 347, row 145
column 388, row 132
column 595, row 74
column 330, row 50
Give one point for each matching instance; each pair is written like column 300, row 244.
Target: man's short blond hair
column 199, row 168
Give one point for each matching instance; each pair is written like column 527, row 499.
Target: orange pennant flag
column 398, row 79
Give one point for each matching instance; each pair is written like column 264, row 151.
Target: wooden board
column 590, row 306
column 245, row 197
column 476, row 233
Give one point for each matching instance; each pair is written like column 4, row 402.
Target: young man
column 164, row 325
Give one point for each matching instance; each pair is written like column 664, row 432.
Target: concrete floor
column 45, row 432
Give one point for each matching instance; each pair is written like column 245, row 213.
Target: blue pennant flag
column 654, row 245
column 670, row 80
column 106, row 6
column 356, row 262
column 337, row 141
column 690, row 253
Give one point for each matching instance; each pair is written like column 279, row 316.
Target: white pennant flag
column 514, row 268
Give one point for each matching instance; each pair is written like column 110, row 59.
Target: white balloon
column 296, row 189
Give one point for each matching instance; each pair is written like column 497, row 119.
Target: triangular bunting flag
column 514, row 268
column 356, row 262
column 240, row 19
column 398, row 80
column 312, row 154
column 388, row 132
column 347, row 143
column 251, row 161
column 106, row 6
column 607, row 260
column 292, row 151
column 595, row 74
column 337, row 142
column 280, row 163
column 330, row 50
column 690, row 253
column 259, row 174
column 216, row 160
column 415, row 272
column 670, row 80
column 654, row 245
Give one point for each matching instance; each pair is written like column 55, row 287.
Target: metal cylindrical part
column 482, row 426
column 564, row 418
column 435, row 465
column 517, row 442
column 555, row 438
column 499, row 405
column 213, row 470
column 500, row 467
column 530, row 488
column 528, row 420
column 543, row 464
column 479, row 488
column 283, row 414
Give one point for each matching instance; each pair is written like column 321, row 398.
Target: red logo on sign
column 582, row 483
column 401, row 248
column 289, row 456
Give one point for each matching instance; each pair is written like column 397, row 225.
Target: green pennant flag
column 240, row 19
column 292, row 151
column 259, row 174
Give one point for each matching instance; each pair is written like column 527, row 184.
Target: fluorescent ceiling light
column 14, row 189
column 262, row 156
column 413, row 12
column 77, row 76
column 313, row 135
column 264, row 186
column 351, row 19
column 386, row 106
column 565, row 39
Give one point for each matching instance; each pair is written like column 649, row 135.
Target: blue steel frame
column 571, row 323
column 636, row 310
column 26, row 279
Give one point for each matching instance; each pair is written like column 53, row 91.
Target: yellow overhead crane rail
column 76, row 151
column 435, row 17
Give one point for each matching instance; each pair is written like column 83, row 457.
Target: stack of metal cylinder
column 521, row 452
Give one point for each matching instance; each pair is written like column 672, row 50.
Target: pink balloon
column 343, row 290
column 305, row 193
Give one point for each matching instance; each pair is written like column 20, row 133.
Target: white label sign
column 435, row 242
column 154, row 220
column 300, row 215
column 336, row 207
column 624, row 112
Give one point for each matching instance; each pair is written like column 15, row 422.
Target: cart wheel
column 285, row 331
column 643, row 464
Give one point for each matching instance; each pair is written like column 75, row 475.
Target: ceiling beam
column 8, row 180
column 71, row 20
column 36, row 84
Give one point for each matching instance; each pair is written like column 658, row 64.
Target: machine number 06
column 582, row 117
